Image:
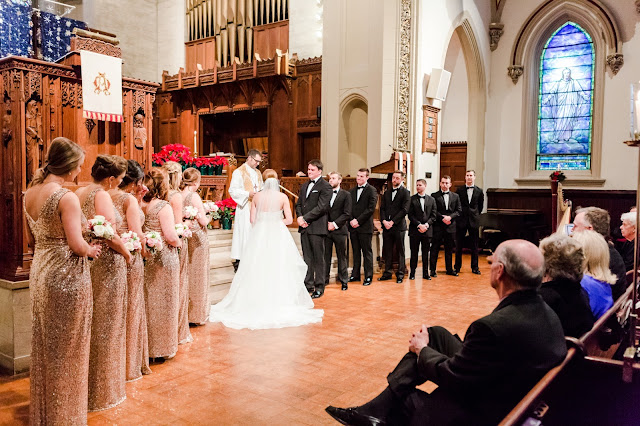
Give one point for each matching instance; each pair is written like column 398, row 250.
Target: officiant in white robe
column 246, row 180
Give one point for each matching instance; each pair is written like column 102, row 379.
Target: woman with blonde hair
column 597, row 277
column 275, row 297
column 198, row 250
column 162, row 271
column 60, row 289
column 175, row 200
column 107, row 367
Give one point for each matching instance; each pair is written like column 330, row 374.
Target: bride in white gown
column 268, row 289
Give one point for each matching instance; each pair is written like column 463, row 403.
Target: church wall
column 455, row 111
column 305, row 28
column 171, row 37
column 504, row 107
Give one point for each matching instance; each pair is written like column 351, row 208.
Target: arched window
column 565, row 101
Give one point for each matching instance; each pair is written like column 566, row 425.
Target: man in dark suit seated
column 448, row 209
column 312, row 208
column 363, row 204
column 393, row 212
column 472, row 203
column 482, row 378
column 422, row 214
column 339, row 216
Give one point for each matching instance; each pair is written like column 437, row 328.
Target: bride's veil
column 270, row 196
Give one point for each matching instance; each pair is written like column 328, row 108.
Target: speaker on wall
column 438, row 84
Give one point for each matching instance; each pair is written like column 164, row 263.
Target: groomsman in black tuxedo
column 363, row 204
column 312, row 209
column 393, row 212
column 422, row 215
column 472, row 202
column 447, row 210
column 339, row 217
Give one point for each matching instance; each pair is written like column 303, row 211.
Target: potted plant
column 556, row 176
column 227, row 212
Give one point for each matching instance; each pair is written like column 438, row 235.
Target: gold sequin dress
column 137, row 361
column 107, row 367
column 184, row 335
column 161, row 291
column 199, row 305
column 61, row 307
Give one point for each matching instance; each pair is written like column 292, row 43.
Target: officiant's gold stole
column 246, row 178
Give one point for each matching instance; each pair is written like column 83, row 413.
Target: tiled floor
column 288, row 376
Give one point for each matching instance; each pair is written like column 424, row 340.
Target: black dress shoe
column 476, row 271
column 317, row 294
column 457, row 270
column 433, row 274
column 399, row 280
column 367, row 281
column 345, row 286
column 384, row 277
column 426, row 277
column 452, row 273
column 412, row 276
column 351, row 416
column 352, row 279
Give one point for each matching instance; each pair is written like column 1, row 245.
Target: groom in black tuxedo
column 312, row 209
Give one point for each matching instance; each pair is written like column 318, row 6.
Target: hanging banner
column 101, row 86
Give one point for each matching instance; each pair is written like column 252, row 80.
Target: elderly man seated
column 628, row 230
column 483, row 377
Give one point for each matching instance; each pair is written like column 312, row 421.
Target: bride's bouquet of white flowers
column 190, row 213
column 99, row 227
column 131, row 241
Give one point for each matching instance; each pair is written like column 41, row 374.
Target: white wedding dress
column 268, row 289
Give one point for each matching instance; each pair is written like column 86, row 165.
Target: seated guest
column 564, row 266
column 483, row 377
column 597, row 219
column 597, row 277
column 628, row 230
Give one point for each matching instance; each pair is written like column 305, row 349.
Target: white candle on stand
column 636, row 113
column 195, row 142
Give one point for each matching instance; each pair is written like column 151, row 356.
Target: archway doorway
column 352, row 147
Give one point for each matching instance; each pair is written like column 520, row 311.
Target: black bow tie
column 312, row 181
column 469, row 187
column 335, row 191
column 361, row 187
column 446, row 192
column 421, row 196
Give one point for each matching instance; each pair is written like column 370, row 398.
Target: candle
column 635, row 111
column 195, row 143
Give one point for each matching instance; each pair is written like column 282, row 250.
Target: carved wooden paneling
column 268, row 38
column 201, row 52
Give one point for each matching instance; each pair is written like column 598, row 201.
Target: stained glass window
column 565, row 103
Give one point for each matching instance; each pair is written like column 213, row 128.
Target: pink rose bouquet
column 99, row 227
column 131, row 241
column 153, row 242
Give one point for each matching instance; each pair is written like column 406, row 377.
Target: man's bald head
column 523, row 263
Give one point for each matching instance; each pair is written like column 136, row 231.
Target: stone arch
column 352, row 143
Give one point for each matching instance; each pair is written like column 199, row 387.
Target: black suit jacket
column 395, row 210
column 571, row 303
column 454, row 210
column 340, row 212
column 502, row 356
column 470, row 210
column 315, row 208
column 363, row 209
column 417, row 216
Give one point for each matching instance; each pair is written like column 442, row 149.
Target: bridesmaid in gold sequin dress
column 162, row 270
column 175, row 179
column 109, row 281
column 199, row 305
column 126, row 202
column 60, row 286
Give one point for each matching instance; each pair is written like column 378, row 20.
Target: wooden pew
column 586, row 388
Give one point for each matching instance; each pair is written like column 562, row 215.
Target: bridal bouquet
column 183, row 230
column 212, row 210
column 131, row 241
column 99, row 227
column 190, row 213
column 153, row 242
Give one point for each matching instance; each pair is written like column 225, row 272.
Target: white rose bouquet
column 153, row 242
column 212, row 210
column 131, row 241
column 99, row 227
column 183, row 230
column 190, row 213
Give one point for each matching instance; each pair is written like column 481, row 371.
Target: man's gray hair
column 629, row 217
column 518, row 269
column 563, row 257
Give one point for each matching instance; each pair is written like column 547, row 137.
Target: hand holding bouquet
column 153, row 242
column 131, row 241
column 212, row 210
column 99, row 227
column 183, row 230
column 190, row 213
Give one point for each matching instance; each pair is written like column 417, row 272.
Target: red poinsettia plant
column 227, row 208
column 557, row 176
column 182, row 155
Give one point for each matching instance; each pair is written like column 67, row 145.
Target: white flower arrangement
column 99, row 227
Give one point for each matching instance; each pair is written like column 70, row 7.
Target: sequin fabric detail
column 161, row 292
column 137, row 341
column 107, row 367
column 199, row 305
column 61, row 307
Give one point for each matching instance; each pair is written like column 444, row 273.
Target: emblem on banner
column 101, row 84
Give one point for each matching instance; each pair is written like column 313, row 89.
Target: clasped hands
column 302, row 223
column 388, row 224
column 419, row 340
column 446, row 220
column 423, row 227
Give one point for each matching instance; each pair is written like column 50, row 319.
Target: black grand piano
column 503, row 224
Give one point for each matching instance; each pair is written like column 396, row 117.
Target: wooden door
column 309, row 148
column 453, row 162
